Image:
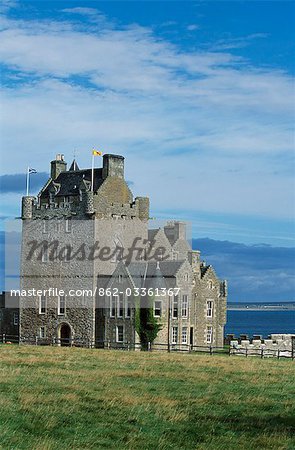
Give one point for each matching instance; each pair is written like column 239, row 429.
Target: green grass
column 70, row 398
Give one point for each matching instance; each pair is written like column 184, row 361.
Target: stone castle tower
column 86, row 244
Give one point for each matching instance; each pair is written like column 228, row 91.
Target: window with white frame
column 114, row 301
column 15, row 318
column 184, row 335
column 209, row 334
column 174, row 335
column 45, row 226
column 184, row 305
column 175, row 307
column 68, row 225
column 119, row 333
column 42, row 304
column 157, row 308
column 61, row 305
column 209, row 308
column 42, row 332
column 121, row 305
column 185, row 277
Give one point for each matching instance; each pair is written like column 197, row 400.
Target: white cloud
column 192, row 118
column 192, row 27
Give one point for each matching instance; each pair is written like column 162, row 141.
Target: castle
column 89, row 262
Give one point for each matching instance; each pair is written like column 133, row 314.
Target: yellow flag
column 96, row 153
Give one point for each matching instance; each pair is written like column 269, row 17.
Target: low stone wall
column 276, row 345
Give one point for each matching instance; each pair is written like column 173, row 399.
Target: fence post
column 246, row 352
column 261, row 352
column 3, row 338
column 278, row 353
column 229, row 350
column 149, row 346
column 211, row 352
column 36, row 340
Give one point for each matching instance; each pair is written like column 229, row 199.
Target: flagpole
column 92, row 172
column 28, row 180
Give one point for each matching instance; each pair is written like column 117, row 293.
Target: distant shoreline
column 261, row 307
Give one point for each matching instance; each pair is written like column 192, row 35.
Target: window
column 174, row 335
column 175, row 308
column 119, row 333
column 44, row 254
column 120, row 278
column 184, row 306
column 209, row 335
column 61, row 305
column 128, row 309
column 15, row 318
column 174, row 255
column 59, row 225
column 45, row 226
column 185, row 277
column 158, row 308
column 68, row 225
column 42, row 332
column 210, row 284
column 209, row 308
column 65, row 254
column 121, row 305
column 114, row 300
column 42, row 304
column 184, row 335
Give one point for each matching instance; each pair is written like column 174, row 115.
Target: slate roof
column 204, row 270
column 155, row 276
column 152, row 233
column 70, row 181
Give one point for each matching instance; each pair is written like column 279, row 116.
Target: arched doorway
column 65, row 334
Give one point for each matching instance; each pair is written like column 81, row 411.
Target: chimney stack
column 113, row 166
column 57, row 166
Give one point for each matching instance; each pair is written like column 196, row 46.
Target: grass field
column 70, row 398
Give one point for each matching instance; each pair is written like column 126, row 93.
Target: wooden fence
column 183, row 348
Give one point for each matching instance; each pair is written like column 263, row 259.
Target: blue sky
column 198, row 96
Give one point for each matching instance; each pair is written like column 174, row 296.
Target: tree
column 146, row 324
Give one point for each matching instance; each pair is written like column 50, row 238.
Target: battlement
column 102, row 192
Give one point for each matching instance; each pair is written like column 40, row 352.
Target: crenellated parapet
column 27, row 207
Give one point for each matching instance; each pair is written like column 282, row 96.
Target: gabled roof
column 147, row 271
column 205, row 270
column 152, row 233
column 74, row 166
column 70, row 181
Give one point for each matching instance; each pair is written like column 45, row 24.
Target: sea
column 260, row 322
